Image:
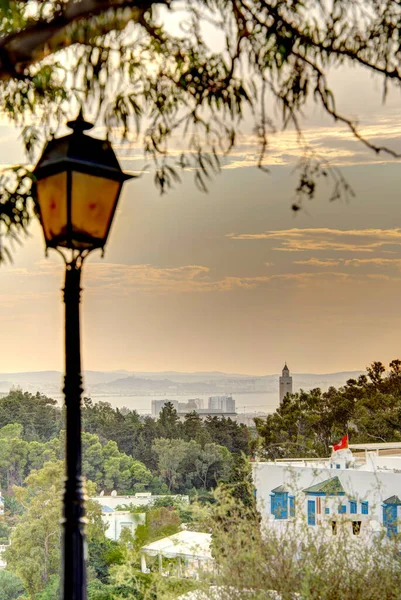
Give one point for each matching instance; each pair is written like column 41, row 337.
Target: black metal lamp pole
column 74, row 571
column 78, row 184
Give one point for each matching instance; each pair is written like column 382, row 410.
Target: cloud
column 122, row 279
column 325, row 239
column 334, row 144
column 378, row 261
column 317, row 262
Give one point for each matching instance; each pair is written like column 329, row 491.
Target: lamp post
column 78, row 183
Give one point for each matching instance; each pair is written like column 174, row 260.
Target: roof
column 188, row 544
column 378, row 446
column 393, row 500
column 330, row 487
column 281, row 489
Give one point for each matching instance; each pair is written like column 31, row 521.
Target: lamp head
column 78, row 184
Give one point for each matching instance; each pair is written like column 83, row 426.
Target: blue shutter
column 342, row 509
column 292, row 506
column 273, row 504
column 390, row 519
column 311, row 512
column 352, row 507
column 365, row 508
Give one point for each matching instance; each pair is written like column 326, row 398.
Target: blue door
column 390, row 519
column 311, row 512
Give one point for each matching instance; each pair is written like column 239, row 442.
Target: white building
column 285, row 383
column 140, row 499
column 118, row 520
column 1, row 504
column 362, row 493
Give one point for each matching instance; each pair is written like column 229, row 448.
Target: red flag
column 343, row 444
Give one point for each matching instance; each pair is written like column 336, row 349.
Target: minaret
column 285, row 383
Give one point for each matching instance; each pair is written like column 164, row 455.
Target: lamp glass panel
column 52, row 200
column 92, row 204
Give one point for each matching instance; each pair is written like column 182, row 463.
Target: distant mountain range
column 126, row 383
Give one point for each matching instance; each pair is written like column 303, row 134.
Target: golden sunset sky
column 232, row 280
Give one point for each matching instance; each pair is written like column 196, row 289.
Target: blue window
column 311, row 512
column 342, row 509
column 365, row 508
column 326, row 511
column 292, row 506
column 338, row 466
column 279, row 505
column 390, row 519
column 352, row 507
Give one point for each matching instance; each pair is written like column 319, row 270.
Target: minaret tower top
column 285, row 383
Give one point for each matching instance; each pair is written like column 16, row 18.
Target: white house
column 117, row 520
column 361, row 493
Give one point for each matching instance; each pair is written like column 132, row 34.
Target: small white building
column 191, row 549
column 139, row 499
column 117, row 520
column 361, row 493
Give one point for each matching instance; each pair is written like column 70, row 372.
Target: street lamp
column 78, row 181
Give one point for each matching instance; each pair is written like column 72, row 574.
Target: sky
column 231, row 280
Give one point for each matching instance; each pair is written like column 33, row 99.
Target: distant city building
column 224, row 404
column 218, row 406
column 285, row 383
column 180, row 407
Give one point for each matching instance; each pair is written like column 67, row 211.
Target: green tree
column 169, row 422
column 13, row 457
column 213, row 458
column 193, row 429
column 39, row 416
column 170, row 454
column 34, row 553
column 227, row 432
column 110, row 423
column 11, row 586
